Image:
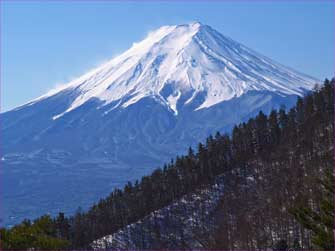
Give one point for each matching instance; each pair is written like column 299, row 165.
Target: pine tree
column 320, row 222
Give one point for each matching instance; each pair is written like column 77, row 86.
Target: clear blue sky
column 46, row 44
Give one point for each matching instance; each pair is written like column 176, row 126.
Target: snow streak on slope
column 187, row 222
column 188, row 60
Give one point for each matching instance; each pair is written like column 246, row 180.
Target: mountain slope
column 178, row 225
column 119, row 121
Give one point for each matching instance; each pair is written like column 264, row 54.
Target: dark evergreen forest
column 278, row 176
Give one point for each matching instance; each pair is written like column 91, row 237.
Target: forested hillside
column 281, row 165
column 277, row 172
column 184, row 224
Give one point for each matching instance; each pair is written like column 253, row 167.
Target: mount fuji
column 118, row 122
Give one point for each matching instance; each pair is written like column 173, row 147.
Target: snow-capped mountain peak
column 188, row 61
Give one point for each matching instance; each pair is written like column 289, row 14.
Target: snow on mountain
column 123, row 119
column 192, row 59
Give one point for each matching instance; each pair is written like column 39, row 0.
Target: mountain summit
column 123, row 119
column 176, row 64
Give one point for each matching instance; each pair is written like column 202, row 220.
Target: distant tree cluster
column 273, row 198
column 42, row 234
